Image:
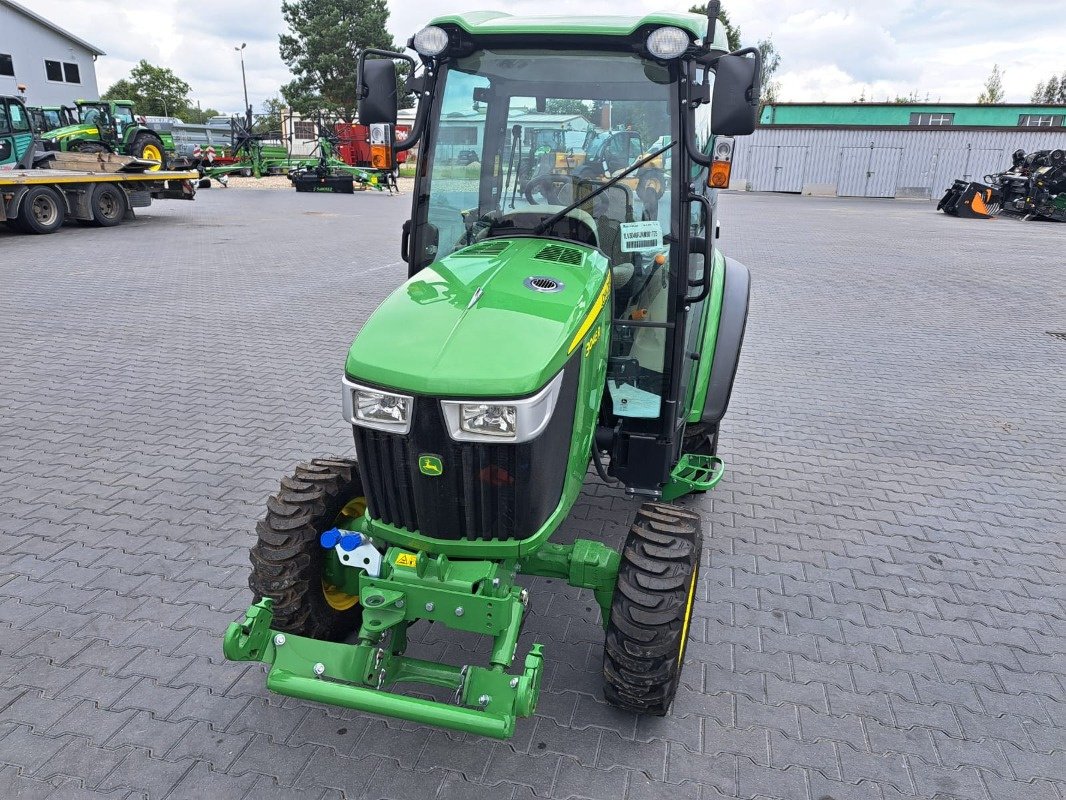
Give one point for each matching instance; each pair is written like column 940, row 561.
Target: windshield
column 521, row 134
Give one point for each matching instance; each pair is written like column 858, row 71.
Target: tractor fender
column 736, row 291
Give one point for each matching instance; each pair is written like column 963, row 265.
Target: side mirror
column 735, row 103
column 377, row 87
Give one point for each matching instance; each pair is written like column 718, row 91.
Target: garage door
column 869, row 171
column 778, row 168
column 965, row 164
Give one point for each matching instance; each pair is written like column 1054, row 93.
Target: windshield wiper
column 543, row 226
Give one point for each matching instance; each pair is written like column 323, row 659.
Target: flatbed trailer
column 41, row 200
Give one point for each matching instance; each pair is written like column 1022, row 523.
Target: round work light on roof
column 667, row 42
column 431, row 41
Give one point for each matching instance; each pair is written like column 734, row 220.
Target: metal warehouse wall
column 876, row 163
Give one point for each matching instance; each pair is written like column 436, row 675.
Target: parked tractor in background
column 49, row 118
column 529, row 342
column 111, row 127
column 1034, row 187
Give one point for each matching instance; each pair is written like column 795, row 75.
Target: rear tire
column 288, row 560
column 148, row 146
column 701, row 439
column 108, row 205
column 41, row 211
column 652, row 607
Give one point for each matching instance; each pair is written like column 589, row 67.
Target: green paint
column 693, row 473
column 708, row 338
column 474, row 596
column 430, row 337
column 881, row 115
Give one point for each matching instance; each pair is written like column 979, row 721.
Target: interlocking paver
column 881, row 611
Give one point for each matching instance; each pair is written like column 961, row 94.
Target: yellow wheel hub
column 151, row 153
column 337, row 599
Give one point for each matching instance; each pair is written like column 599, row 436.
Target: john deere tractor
column 528, row 346
column 110, row 127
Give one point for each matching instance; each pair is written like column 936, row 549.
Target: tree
column 993, row 92
column 155, row 91
column 565, row 106
column 771, row 60
column 270, row 121
column 732, row 33
column 1050, row 92
column 320, row 49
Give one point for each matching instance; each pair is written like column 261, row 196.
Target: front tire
column 288, row 560
column 652, row 606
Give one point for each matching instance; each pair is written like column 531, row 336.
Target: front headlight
column 499, row 421
column 490, row 419
column 375, row 408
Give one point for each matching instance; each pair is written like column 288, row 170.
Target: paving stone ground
column 881, row 612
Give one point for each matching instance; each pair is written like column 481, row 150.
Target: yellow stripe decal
column 594, row 312
column 688, row 615
column 21, row 179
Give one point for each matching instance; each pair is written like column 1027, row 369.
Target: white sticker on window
column 642, row 235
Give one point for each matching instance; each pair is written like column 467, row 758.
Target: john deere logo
column 430, row 465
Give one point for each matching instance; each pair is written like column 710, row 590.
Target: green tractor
column 111, row 127
column 48, row 118
column 528, row 345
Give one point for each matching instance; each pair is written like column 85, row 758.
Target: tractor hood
column 71, row 130
column 485, row 321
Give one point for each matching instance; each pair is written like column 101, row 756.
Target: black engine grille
column 486, row 491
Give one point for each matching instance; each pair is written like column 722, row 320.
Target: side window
column 5, row 127
column 124, row 115
column 19, row 121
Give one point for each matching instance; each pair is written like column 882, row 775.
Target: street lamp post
column 244, row 82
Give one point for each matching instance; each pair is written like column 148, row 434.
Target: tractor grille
column 485, row 491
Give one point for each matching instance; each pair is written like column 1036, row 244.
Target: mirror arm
column 694, row 153
column 428, row 79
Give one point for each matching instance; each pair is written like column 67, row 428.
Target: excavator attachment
column 970, row 200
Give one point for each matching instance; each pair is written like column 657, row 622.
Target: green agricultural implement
column 111, row 127
column 324, row 171
column 527, row 345
column 260, row 154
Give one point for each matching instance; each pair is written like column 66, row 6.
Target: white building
column 54, row 65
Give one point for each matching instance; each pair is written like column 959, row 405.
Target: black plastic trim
column 735, row 296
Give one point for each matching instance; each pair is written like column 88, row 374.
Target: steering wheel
column 555, row 188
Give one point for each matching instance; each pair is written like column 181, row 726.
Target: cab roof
column 497, row 23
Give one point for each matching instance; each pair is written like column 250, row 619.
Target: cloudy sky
column 831, row 50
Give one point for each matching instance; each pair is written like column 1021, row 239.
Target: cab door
column 16, row 135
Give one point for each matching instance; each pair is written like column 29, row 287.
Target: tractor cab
column 113, row 121
column 16, row 134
